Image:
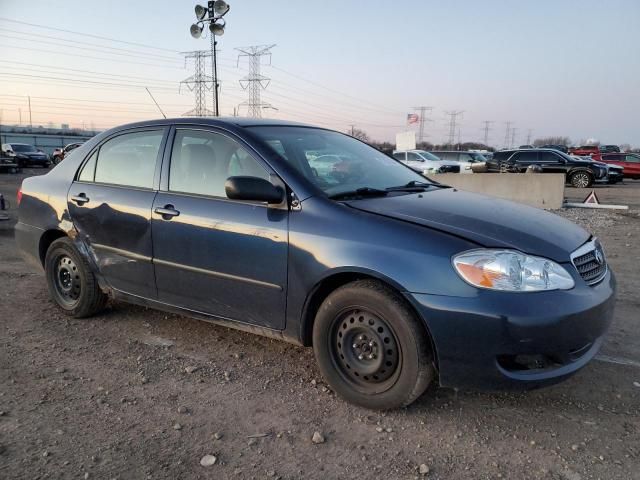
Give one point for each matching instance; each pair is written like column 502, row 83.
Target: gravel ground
column 138, row 394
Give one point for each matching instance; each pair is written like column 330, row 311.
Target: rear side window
column 549, row 157
column 525, row 157
column 202, row 161
column 129, row 159
column 89, row 170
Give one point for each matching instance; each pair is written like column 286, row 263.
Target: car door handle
column 167, row 212
column 80, row 199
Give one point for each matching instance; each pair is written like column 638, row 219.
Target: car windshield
column 335, row 162
column 478, row 157
column 428, row 155
column 23, row 148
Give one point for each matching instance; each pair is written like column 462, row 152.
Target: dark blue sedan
column 395, row 280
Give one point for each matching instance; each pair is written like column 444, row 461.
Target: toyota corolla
column 396, row 281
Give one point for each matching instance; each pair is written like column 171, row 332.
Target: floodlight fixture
column 196, row 30
column 201, row 12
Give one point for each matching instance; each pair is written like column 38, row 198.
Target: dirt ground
column 112, row 396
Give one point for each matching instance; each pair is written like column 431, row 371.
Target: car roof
column 216, row 121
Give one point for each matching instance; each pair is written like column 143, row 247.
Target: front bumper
column 516, row 341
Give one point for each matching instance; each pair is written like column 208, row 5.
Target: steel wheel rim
column 365, row 351
column 581, row 180
column 66, row 279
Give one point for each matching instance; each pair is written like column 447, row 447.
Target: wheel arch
column 336, row 279
column 47, row 238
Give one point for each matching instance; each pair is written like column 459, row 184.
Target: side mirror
column 253, row 189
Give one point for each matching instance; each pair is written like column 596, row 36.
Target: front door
column 213, row 255
column 110, row 206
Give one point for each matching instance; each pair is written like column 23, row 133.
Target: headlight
column 512, row 271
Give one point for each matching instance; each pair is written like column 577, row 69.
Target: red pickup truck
column 587, row 150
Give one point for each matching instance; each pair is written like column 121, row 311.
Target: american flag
column 412, row 118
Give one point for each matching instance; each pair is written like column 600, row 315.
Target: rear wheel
column 71, row 282
column 581, row 179
column 370, row 347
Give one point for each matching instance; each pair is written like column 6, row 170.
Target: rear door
column 631, row 165
column 524, row 159
column 214, row 255
column 110, row 206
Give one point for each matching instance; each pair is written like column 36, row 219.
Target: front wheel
column 581, row 179
column 370, row 347
column 71, row 283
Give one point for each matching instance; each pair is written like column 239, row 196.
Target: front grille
column 590, row 262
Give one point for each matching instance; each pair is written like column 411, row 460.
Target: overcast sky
column 553, row 67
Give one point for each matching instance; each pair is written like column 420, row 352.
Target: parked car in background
column 394, row 280
column 586, row 150
column 425, row 162
column 630, row 162
column 614, row 172
column 27, row 155
column 609, row 149
column 523, row 147
column 561, row 148
column 579, row 173
column 8, row 161
column 466, row 160
column 59, row 153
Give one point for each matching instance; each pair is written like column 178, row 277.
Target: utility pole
column 198, row 83
column 507, row 134
column 423, row 110
column 352, row 129
column 487, row 127
column 254, row 81
column 214, row 75
column 453, row 119
column 30, row 121
column 20, row 115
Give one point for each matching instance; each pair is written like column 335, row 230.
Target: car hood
column 487, row 221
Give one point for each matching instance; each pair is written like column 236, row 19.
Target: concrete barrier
column 542, row 190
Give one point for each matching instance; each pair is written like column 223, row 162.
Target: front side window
column 414, row 157
column 129, row 159
column 632, row 159
column 201, row 162
column 356, row 165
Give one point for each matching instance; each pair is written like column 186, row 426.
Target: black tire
column 581, row 179
column 351, row 326
column 71, row 283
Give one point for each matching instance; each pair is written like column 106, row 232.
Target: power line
column 66, row 40
column 254, row 82
column 5, row 19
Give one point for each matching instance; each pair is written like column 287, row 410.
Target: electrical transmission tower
column 199, row 83
column 453, row 119
column 487, row 128
column 507, row 134
column 513, row 137
column 529, row 136
column 422, row 120
column 254, row 81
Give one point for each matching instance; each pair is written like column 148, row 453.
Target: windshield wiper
column 412, row 186
column 359, row 192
